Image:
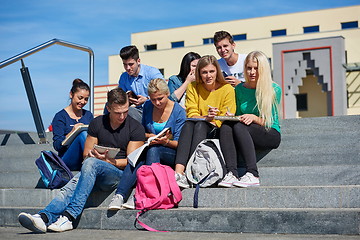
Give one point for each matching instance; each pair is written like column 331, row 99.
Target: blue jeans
column 72, row 197
column 160, row 154
column 73, row 156
column 155, row 153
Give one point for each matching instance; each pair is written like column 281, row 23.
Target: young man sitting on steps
column 115, row 129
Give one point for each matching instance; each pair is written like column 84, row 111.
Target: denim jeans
column 73, row 156
column 155, row 153
column 72, row 197
column 160, row 154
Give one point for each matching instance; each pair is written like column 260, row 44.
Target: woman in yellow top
column 210, row 95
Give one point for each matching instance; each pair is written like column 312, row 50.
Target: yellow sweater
column 198, row 99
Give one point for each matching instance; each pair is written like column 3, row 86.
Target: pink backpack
column 156, row 188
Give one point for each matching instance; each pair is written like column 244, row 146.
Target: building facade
column 310, row 96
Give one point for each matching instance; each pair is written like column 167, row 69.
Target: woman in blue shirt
column 67, row 120
column 178, row 83
column 159, row 113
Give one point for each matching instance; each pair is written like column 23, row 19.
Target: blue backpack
column 54, row 172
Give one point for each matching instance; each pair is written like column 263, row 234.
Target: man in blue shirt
column 136, row 79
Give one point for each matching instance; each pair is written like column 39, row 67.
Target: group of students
column 188, row 104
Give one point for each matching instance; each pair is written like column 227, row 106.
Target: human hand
column 233, row 81
column 191, row 76
column 247, row 118
column 212, row 112
column 139, row 101
column 102, row 156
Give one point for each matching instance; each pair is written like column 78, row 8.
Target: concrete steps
column 241, row 220
column 259, row 197
column 309, row 185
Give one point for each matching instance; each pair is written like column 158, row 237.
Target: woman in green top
column 257, row 101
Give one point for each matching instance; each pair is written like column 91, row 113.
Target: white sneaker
column 248, row 180
column 181, row 180
column 116, row 202
column 32, row 222
column 228, row 180
column 61, row 225
column 130, row 203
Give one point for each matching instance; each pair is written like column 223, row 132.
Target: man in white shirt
column 231, row 63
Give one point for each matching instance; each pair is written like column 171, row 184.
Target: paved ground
column 86, row 234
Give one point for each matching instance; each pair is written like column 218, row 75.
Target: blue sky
column 105, row 26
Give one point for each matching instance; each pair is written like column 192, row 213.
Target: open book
column 69, row 139
column 111, row 153
column 134, row 156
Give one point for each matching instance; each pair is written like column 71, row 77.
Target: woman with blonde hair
column 209, row 95
column 257, row 101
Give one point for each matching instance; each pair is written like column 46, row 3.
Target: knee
column 200, row 126
column 82, row 136
column 152, row 155
column 89, row 164
column 240, row 127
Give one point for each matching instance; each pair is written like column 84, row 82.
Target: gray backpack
column 206, row 166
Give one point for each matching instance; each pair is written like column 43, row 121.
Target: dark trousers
column 238, row 138
column 192, row 133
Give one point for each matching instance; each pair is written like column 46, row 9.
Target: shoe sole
column 183, row 186
column 114, row 208
column 227, row 185
column 128, row 206
column 246, row 185
column 28, row 223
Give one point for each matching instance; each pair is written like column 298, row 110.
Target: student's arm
column 89, row 151
column 181, row 90
column 89, row 145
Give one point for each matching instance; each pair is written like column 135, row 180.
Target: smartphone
column 131, row 94
column 224, row 74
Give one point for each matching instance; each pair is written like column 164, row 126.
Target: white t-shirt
column 236, row 70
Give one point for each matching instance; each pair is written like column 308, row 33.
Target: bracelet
column 166, row 143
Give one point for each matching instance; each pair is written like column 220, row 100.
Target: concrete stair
column 309, row 185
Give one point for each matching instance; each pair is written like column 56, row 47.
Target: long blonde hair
column 265, row 94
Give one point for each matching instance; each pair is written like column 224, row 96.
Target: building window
column 208, row 40
column 276, row 33
column 177, row 44
column 301, row 102
column 311, row 29
column 347, row 25
column 151, row 47
column 239, row 37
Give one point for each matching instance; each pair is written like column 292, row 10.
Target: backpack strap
column 196, row 193
column 140, row 213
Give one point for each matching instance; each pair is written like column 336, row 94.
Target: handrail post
column 33, row 103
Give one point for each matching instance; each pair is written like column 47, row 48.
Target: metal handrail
column 65, row 44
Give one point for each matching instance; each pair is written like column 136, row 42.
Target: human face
column 193, row 65
column 132, row 66
column 79, row 99
column 118, row 113
column 252, row 71
column 208, row 75
column 159, row 100
column 225, row 49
